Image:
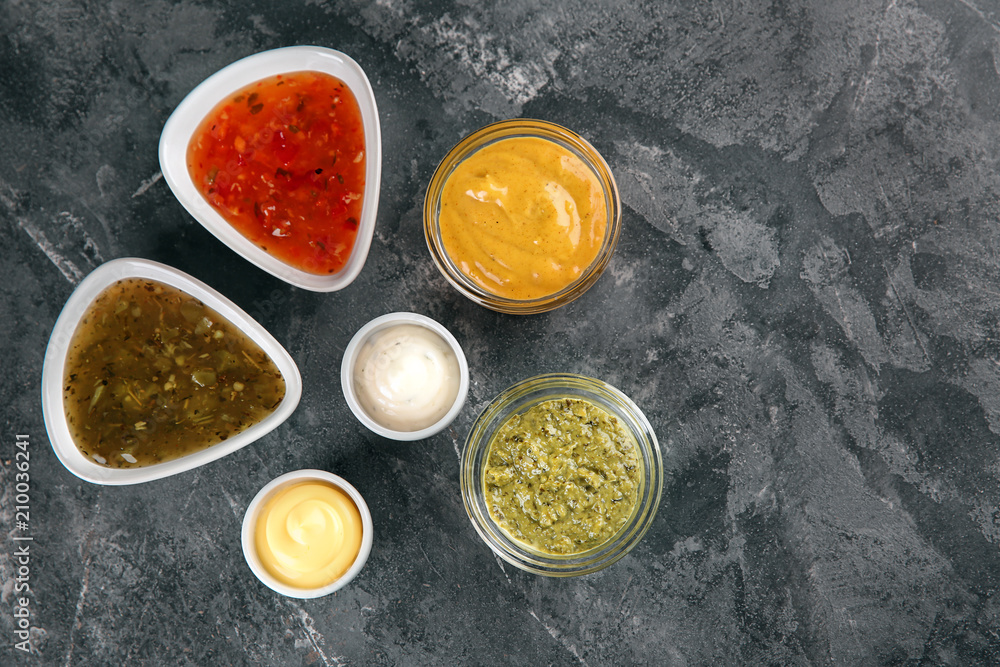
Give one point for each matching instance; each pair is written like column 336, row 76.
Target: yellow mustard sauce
column 308, row 534
column 522, row 217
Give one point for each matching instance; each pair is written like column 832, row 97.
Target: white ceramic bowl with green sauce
column 518, row 399
column 54, row 370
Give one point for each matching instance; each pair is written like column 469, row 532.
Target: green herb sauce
column 153, row 374
column 562, row 477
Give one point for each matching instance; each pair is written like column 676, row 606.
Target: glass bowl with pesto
column 522, row 216
column 561, row 475
column 150, row 372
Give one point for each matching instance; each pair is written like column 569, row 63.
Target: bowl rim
column 186, row 118
column 247, row 532
column 521, row 396
column 54, row 364
column 353, row 349
column 507, row 129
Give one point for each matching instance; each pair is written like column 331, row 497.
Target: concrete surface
column 805, row 302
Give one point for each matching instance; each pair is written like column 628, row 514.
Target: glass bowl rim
column 521, row 396
column 498, row 131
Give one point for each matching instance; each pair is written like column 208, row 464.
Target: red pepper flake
column 278, row 183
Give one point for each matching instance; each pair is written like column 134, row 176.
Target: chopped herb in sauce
column 563, row 476
column 153, row 374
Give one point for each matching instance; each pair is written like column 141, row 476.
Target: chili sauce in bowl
column 279, row 156
column 149, row 373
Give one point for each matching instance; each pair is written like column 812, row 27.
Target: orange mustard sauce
column 522, row 217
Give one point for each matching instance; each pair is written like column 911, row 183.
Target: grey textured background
column 805, row 302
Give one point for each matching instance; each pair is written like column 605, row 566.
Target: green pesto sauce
column 562, row 477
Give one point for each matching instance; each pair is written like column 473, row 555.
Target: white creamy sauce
column 406, row 377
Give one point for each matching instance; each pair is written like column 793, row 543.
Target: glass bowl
column 518, row 128
column 188, row 115
column 521, row 397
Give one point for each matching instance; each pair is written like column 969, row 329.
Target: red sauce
column 283, row 161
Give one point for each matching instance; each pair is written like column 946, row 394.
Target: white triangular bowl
column 199, row 102
column 54, row 372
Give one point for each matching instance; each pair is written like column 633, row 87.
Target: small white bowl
column 250, row 525
column 351, row 358
column 53, row 372
column 199, row 102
